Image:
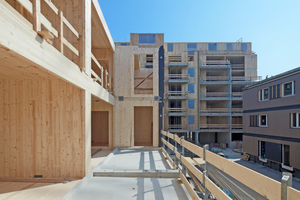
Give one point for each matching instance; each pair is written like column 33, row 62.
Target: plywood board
column 143, row 126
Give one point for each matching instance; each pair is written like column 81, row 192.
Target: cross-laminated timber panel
column 41, row 129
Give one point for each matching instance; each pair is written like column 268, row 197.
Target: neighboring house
column 272, row 121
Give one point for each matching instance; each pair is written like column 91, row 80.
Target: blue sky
column 272, row 26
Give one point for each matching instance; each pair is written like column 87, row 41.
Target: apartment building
column 203, row 90
column 271, row 122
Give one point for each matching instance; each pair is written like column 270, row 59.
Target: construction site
column 84, row 117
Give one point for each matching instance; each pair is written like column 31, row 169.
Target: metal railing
column 237, row 126
column 214, row 126
column 225, row 52
column 214, row 62
column 177, row 76
column 245, row 79
column 214, row 78
column 176, row 110
column 214, row 94
column 237, row 94
column 215, row 111
column 174, row 59
column 237, row 66
column 177, row 93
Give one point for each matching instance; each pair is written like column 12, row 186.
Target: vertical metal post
column 176, row 160
column 182, row 154
column 286, row 181
column 205, row 173
column 161, row 65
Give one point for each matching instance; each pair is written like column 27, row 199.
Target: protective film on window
column 170, row 47
column 191, row 47
column 191, row 120
column 191, row 72
column 191, row 104
column 212, row 46
column 191, row 88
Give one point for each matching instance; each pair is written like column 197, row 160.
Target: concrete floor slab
column 130, row 187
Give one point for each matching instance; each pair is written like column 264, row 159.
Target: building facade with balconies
column 203, row 90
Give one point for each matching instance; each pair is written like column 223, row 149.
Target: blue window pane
column 212, row 46
column 191, row 72
column 244, row 47
column 229, row 46
column 191, row 88
column 142, row 39
column 123, row 44
column 191, row 104
column 170, row 47
column 191, row 47
column 151, row 39
column 191, row 120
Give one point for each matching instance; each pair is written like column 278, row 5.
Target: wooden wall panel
column 40, row 129
column 98, row 105
column 143, row 126
column 100, row 128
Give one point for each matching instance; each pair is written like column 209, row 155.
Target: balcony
column 177, row 95
column 243, row 79
column 237, row 127
column 65, row 35
column 176, row 61
column 177, row 78
column 177, row 127
column 215, row 111
column 214, row 64
column 214, row 79
column 237, row 94
column 225, row 52
column 237, row 66
column 215, row 127
column 176, row 111
column 237, row 111
column 213, row 95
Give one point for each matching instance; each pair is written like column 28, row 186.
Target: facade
column 56, row 97
column 271, row 122
column 203, row 90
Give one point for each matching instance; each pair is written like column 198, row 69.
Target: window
column 123, row 44
column 191, row 88
column 146, row 39
column 253, row 120
column 274, row 92
column 244, row 47
column 212, row 46
column 262, row 120
column 191, row 47
column 288, row 88
column 278, row 91
column 286, row 155
column 191, row 72
column 170, row 47
column 191, row 120
column 271, row 92
column 263, row 150
column 264, row 94
column 229, row 46
column 191, row 104
column 295, row 120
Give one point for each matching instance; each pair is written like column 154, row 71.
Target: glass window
column 170, row 47
column 212, row 46
column 286, row 155
column 191, row 104
column 263, row 150
column 191, row 47
column 266, row 94
column 123, row 44
column 151, row 39
column 191, row 88
column 274, row 92
column 244, row 46
column 191, row 120
column 146, row 38
column 271, row 92
column 278, row 91
column 295, row 118
column 263, row 120
column 142, row 39
column 288, row 89
column 191, row 72
column 229, row 46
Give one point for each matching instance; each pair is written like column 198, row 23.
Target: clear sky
column 273, row 26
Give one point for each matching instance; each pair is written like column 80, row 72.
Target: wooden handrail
column 262, row 184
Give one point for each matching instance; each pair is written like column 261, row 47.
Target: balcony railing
column 237, row 66
column 177, row 126
column 224, row 52
column 214, row 78
column 236, row 110
column 177, row 76
column 177, row 110
column 236, row 126
column 215, row 111
column 215, row 95
column 237, row 94
column 177, row 93
column 245, row 79
column 215, row 62
column 102, row 77
column 214, row 127
column 174, row 59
